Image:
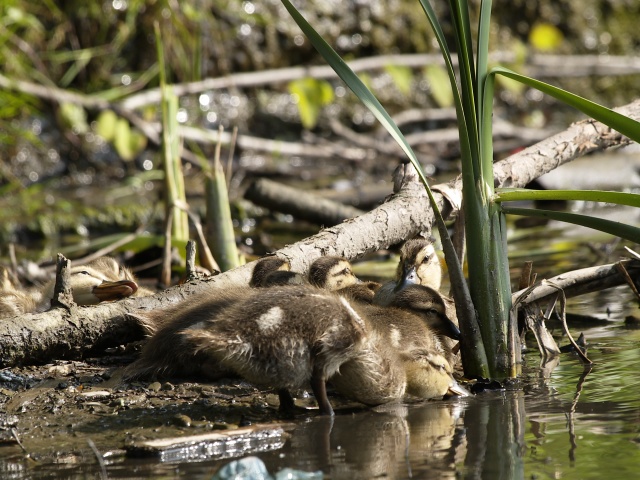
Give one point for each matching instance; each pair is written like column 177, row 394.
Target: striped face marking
column 270, row 320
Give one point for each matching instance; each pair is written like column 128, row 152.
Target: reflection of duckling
column 282, row 337
column 102, row 279
column 419, row 264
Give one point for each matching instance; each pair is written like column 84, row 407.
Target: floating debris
column 233, row 443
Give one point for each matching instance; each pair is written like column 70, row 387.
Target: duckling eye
column 84, row 272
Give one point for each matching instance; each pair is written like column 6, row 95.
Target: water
column 566, row 422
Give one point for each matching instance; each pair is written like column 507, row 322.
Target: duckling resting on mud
column 286, row 338
column 100, row 280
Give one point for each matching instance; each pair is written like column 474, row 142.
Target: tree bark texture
column 62, row 333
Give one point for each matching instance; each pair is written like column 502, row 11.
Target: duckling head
column 98, row 281
column 266, row 271
column 419, row 264
column 429, row 376
column 332, row 273
column 430, row 305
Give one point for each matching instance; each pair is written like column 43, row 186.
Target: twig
column 110, row 248
column 563, row 318
column 207, row 258
column 62, row 296
column 100, row 458
column 579, row 282
column 191, row 260
column 14, row 434
column 625, row 274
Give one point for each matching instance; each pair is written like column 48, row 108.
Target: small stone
column 168, row 387
column 181, row 420
column 155, row 386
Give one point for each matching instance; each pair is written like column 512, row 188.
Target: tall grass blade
column 604, row 196
column 618, row 229
column 624, row 125
column 219, row 232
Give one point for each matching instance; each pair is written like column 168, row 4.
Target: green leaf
column 607, row 226
column 624, row 125
column 402, row 77
column 312, row 95
column 440, row 87
column 74, row 117
column 106, row 124
column 517, row 194
column 545, row 37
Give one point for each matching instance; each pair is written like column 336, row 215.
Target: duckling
column 419, row 264
column 336, row 274
column 282, row 337
column 168, row 352
column 331, row 273
column 102, row 279
column 274, row 271
column 430, row 376
column 402, row 356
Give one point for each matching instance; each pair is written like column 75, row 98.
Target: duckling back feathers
column 278, row 337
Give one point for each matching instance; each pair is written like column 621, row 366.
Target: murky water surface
column 566, row 422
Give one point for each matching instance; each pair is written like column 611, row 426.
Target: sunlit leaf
column 519, row 194
column 312, row 95
column 106, row 124
column 402, row 77
column 625, row 125
column 440, row 85
column 545, row 37
column 74, row 117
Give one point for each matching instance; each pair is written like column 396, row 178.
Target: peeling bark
column 62, row 333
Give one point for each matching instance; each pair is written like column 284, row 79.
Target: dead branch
column 302, row 205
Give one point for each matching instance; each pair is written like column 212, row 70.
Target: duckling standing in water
column 403, row 352
column 419, row 264
column 100, row 280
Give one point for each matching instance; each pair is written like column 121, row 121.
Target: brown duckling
column 102, row 279
column 331, row 273
column 401, row 355
column 282, row 337
column 419, row 264
column 168, row 353
column 336, row 274
column 273, row 271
